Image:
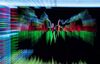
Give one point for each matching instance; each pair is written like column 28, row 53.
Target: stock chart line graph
column 71, row 27
column 37, row 38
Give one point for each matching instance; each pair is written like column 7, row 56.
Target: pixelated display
column 56, row 35
column 45, row 36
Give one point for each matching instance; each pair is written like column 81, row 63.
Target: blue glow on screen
column 51, row 3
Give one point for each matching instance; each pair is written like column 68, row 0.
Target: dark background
column 71, row 49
